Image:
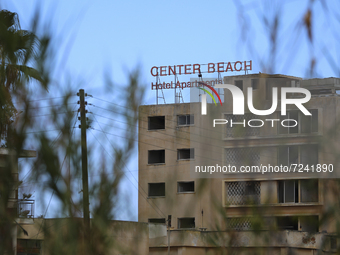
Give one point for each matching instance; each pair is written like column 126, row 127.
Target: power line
column 130, row 180
column 55, row 184
column 134, row 178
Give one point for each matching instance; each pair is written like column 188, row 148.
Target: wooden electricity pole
column 86, row 202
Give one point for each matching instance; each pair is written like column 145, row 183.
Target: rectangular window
column 255, row 83
column 156, row 122
column 249, row 156
column 309, row 190
column 186, row 222
column 298, row 191
column 185, row 120
column 185, row 154
column 183, row 187
column 309, row 223
column 157, row 220
column 287, row 222
column 239, row 84
column 288, row 191
column 239, row 223
column 294, row 120
column 305, row 124
column 241, row 193
column 156, row 189
column 303, row 154
column 156, row 157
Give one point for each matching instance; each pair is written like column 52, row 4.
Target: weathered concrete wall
column 126, row 237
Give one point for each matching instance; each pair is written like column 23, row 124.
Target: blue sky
column 97, row 37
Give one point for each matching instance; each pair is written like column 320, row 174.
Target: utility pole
column 86, row 202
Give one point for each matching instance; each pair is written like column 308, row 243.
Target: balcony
column 26, row 208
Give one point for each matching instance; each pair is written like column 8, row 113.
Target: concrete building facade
column 176, row 138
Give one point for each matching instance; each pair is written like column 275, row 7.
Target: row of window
column 287, row 155
column 158, row 189
column 246, row 192
column 288, row 191
column 158, row 156
column 158, row 122
column 187, row 222
column 305, row 124
column 304, row 223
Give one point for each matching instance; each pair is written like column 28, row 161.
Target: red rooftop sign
column 201, row 68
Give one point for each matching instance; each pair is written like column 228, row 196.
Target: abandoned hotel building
column 176, row 139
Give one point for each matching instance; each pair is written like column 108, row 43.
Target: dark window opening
column 185, row 153
column 156, row 122
column 288, row 223
column 309, row 190
column 309, row 224
column 298, row 191
column 255, row 83
column 156, row 189
column 239, row 84
column 156, row 157
column 157, row 220
column 185, row 120
column 185, row 187
column 186, row 223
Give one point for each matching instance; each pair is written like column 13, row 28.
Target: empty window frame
column 255, row 83
column 183, row 154
column 185, row 187
column 309, row 190
column 157, row 220
column 156, row 189
column 156, row 122
column 185, row 120
column 302, row 154
column 305, row 124
column 239, row 84
column 287, row 222
column 186, row 222
column 309, row 223
column 298, row 191
column 156, row 157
